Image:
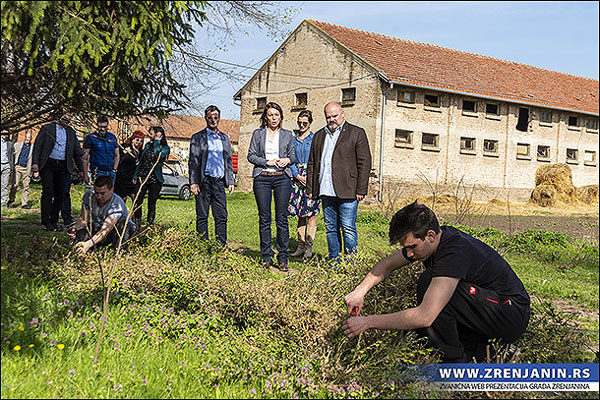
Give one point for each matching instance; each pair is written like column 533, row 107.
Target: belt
column 271, row 173
column 211, row 179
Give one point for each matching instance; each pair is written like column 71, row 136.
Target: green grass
column 188, row 320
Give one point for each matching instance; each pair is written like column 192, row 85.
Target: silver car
column 176, row 183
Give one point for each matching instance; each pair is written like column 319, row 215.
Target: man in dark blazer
column 211, row 171
column 55, row 146
column 338, row 173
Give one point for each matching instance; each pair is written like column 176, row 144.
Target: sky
column 560, row 36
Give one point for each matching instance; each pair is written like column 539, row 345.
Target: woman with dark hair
column 300, row 205
column 150, row 166
column 128, row 160
column 271, row 152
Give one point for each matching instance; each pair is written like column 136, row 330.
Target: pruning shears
column 354, row 311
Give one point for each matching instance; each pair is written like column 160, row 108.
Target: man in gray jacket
column 23, row 160
column 7, row 152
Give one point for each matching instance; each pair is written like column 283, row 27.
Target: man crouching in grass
column 103, row 217
column 467, row 294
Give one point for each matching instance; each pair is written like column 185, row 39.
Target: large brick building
column 432, row 115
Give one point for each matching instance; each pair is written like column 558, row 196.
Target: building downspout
column 384, row 93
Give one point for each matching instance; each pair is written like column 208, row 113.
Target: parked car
column 176, row 183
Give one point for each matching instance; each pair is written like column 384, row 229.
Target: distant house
column 179, row 130
column 432, row 115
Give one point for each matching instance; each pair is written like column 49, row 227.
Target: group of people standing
column 302, row 171
column 55, row 156
column 467, row 294
column 296, row 170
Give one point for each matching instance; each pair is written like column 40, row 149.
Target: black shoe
column 50, row 228
column 26, row 207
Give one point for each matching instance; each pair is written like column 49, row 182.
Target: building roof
column 184, row 126
column 403, row 61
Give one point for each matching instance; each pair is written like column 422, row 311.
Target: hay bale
column 558, row 175
column 560, row 178
column 544, row 195
column 588, row 194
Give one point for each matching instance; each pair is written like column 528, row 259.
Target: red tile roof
column 403, row 61
column 181, row 126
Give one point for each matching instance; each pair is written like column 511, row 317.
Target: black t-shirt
column 462, row 256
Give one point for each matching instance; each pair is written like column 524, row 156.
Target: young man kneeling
column 103, row 217
column 467, row 294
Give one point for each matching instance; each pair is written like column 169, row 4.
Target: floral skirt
column 300, row 205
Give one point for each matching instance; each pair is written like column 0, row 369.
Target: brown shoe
column 283, row 267
column 267, row 265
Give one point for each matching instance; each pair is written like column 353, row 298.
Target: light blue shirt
column 215, row 165
column 60, row 146
column 326, row 177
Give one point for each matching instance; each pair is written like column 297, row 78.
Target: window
column 348, row 95
column 543, row 152
column 522, row 150
column 591, row 124
column 523, row 121
column 467, row 144
column 573, row 121
column 432, row 100
column 301, row 99
column 490, row 146
column 403, row 138
column 429, row 140
column 589, row 157
column 546, row 116
column 261, row 103
column 469, row 106
column 405, row 96
column 572, row 155
column 492, row 109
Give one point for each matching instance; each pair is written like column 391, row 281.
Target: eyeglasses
column 302, row 123
column 103, row 127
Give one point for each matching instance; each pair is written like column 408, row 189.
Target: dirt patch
column 573, row 309
column 584, row 228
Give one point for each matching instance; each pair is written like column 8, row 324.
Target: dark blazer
column 44, row 143
column 256, row 151
column 350, row 164
column 199, row 154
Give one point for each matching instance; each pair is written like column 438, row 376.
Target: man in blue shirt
column 211, row 170
column 23, row 158
column 100, row 152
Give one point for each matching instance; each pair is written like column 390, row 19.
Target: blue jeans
column 279, row 187
column 339, row 213
column 99, row 172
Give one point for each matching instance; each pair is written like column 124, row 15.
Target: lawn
column 189, row 320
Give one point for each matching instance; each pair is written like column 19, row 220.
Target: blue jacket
column 302, row 150
column 159, row 150
column 199, row 154
column 256, row 151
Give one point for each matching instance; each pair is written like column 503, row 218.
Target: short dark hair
column 103, row 180
column 210, row 109
column 263, row 118
column 414, row 218
column 307, row 114
column 102, row 119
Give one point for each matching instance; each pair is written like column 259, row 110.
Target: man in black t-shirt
column 467, row 294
